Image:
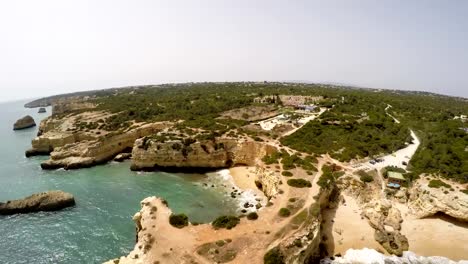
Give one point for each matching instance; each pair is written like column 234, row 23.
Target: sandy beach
column 244, row 177
column 435, row 236
column 348, row 229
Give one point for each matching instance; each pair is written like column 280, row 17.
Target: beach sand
column 348, row 229
column 435, row 236
column 244, row 177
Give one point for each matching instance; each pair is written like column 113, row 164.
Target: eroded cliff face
column 425, row 201
column 72, row 152
column 149, row 154
column 301, row 240
column 296, row 239
column 381, row 214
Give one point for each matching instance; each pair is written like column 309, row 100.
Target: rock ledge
column 45, row 201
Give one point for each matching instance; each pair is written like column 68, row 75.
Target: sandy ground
column 244, row 177
column 348, row 229
column 436, row 236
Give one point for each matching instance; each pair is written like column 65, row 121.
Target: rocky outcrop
column 122, row 156
column 23, row 123
column 71, row 105
column 267, row 181
column 425, row 201
column 46, row 201
column 386, row 220
column 42, row 110
column 301, row 241
column 150, row 154
column 83, row 152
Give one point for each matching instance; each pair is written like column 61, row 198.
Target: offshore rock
column 122, row 156
column 46, row 201
column 23, row 123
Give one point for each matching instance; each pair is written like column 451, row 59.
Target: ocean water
column 100, row 226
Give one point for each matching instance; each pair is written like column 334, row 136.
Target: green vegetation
column 225, row 221
column 178, row 220
column 364, row 176
column 274, row 256
column 284, row 212
column 359, row 127
column 438, row 184
column 329, row 175
column 299, row 183
column 271, row 159
column 287, row 173
column 252, row 216
column 355, row 125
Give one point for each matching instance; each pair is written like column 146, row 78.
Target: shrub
column 284, row 212
column 252, row 216
column 273, row 256
column 178, row 220
column 287, row 173
column 366, row 178
column 225, row 221
column 299, row 183
column 438, row 184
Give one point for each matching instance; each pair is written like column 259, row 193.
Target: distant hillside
column 47, row 101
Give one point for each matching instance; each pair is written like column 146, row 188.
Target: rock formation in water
column 23, row 123
column 425, row 201
column 42, row 110
column 46, row 201
column 122, row 156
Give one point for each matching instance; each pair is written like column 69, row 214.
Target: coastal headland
column 324, row 158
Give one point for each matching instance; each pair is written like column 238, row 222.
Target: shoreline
column 428, row 237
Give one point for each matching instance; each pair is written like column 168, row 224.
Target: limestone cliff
column 208, row 154
column 300, row 241
column 425, row 201
column 72, row 151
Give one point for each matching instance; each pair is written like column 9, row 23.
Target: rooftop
column 395, row 175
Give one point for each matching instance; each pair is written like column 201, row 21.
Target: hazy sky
column 49, row 47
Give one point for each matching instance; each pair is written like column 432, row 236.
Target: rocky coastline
column 300, row 239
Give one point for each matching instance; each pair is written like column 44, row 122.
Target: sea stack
column 45, row 201
column 42, row 110
column 23, row 123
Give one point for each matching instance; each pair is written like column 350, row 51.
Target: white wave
column 371, row 256
column 224, row 178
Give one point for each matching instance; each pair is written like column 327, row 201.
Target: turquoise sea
column 100, row 226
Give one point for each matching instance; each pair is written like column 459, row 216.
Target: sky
column 56, row 46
